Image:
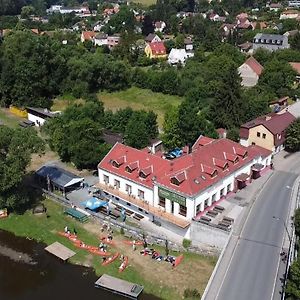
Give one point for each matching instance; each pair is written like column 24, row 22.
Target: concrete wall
column 267, row 143
column 249, row 77
column 201, row 233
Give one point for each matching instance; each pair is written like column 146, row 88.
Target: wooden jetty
column 60, row 251
column 119, row 286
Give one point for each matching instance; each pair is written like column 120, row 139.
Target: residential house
column 274, row 7
column 246, row 47
column 156, row 50
column 271, row 42
column 113, row 40
column 279, row 104
column 188, row 45
column 87, row 36
column 294, row 3
column 267, row 131
column 296, row 68
column 181, row 188
column 81, row 11
column 159, row 26
column 101, row 39
column 226, row 30
column 152, row 38
column 178, row 56
column 291, row 33
column 222, row 133
column 100, row 24
column 289, row 14
column 250, row 71
column 39, row 115
column 216, row 18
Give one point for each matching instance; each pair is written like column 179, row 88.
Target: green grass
column 145, row 2
column 9, row 119
column 137, row 98
column 44, row 229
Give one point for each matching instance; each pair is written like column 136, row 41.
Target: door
column 172, row 207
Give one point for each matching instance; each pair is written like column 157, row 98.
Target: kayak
column 98, row 252
column 137, row 243
column 68, row 235
column 110, row 259
column 123, row 264
column 105, row 240
column 178, row 260
column 81, row 245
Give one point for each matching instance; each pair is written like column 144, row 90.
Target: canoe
column 110, row 259
column 81, row 245
column 98, row 252
column 124, row 264
column 178, row 260
column 68, row 236
column 137, row 243
column 105, row 240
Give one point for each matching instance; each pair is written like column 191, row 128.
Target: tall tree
column 293, row 136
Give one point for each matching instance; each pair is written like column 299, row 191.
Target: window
column 117, row 184
column 258, row 134
column 253, row 144
column 141, row 194
column 182, row 210
column 198, row 207
column 206, row 202
column 214, row 196
column 128, row 188
column 162, row 202
column 222, row 192
column 228, row 188
column 128, row 169
column 264, row 135
column 106, row 179
column 128, row 204
column 115, row 164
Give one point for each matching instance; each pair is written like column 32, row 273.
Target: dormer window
column 226, row 166
column 115, row 164
column 144, row 173
column 214, row 174
column 131, row 167
column 118, row 162
column 175, row 181
column 128, row 169
column 236, row 160
column 178, row 179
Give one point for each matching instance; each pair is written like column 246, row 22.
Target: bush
column 122, row 231
column 186, row 243
column 191, row 293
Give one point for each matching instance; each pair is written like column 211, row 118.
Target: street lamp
column 284, row 224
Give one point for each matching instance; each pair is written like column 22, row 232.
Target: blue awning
column 94, row 203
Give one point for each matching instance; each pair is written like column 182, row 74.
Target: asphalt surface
column 252, row 271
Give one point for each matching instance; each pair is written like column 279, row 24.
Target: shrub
column 186, row 243
column 191, row 293
column 122, row 231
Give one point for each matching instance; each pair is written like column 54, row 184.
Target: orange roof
column 88, row 35
column 295, row 66
column 254, row 65
column 158, row 48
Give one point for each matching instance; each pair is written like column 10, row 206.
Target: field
column 145, row 2
column 158, row 278
column 8, row 118
column 140, row 99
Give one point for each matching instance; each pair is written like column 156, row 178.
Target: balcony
column 158, row 212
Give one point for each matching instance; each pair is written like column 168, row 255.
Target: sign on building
column 172, row 196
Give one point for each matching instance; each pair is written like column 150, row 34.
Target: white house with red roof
column 184, row 186
column 250, row 71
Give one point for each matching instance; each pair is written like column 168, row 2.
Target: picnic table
column 81, row 217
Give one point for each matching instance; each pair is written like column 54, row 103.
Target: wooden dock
column 60, row 251
column 119, row 286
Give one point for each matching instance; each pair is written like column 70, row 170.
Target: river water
column 28, row 272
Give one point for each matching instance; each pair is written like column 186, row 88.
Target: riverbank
column 158, row 278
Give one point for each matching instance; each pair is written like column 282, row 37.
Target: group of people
column 68, row 231
column 157, row 256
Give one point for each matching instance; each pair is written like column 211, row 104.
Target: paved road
column 253, row 268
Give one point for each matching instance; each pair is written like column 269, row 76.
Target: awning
column 257, row 167
column 242, row 177
column 94, row 203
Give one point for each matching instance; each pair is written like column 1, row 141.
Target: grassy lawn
column 145, row 2
column 61, row 103
column 137, row 98
column 158, row 278
column 8, row 118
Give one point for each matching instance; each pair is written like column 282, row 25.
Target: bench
column 212, row 213
column 138, row 217
column 221, row 226
column 227, row 219
column 218, row 208
column 76, row 214
column 224, row 224
column 205, row 219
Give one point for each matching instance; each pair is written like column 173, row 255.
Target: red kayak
column 110, row 259
column 178, row 260
column 81, row 245
column 98, row 252
column 137, row 243
column 123, row 264
column 68, row 235
column 106, row 240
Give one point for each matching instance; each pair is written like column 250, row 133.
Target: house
column 216, row 18
column 100, row 39
column 152, row 38
column 289, row 14
column 222, row 133
column 113, row 40
column 271, row 42
column 279, row 104
column 188, row 45
column 178, row 56
column 250, row 71
column 294, row 3
column 296, row 68
column 291, row 33
column 156, row 50
column 227, row 29
column 274, row 6
column 81, row 11
column 39, row 115
column 181, row 188
column 100, row 24
column 87, row 36
column 159, row 26
column 246, row 47
column 266, row 131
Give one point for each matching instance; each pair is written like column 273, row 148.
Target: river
column 28, row 272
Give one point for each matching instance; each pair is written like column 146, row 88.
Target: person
column 122, row 257
column 66, row 229
column 75, row 231
column 133, row 245
column 103, row 258
column 122, row 266
column 101, row 247
column 145, row 243
column 110, row 237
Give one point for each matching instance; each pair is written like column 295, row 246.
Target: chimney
column 268, row 117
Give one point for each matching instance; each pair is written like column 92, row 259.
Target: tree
column 16, row 147
column 147, row 25
column 292, row 288
column 171, row 135
column 228, row 108
column 136, row 134
column 27, row 11
column 292, row 141
column 295, row 41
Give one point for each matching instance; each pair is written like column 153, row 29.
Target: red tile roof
column 295, row 66
column 158, row 48
column 254, row 65
column 192, row 172
column 88, row 35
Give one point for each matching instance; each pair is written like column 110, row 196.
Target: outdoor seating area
column 79, row 216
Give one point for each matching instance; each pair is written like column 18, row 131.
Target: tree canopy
column 292, row 141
